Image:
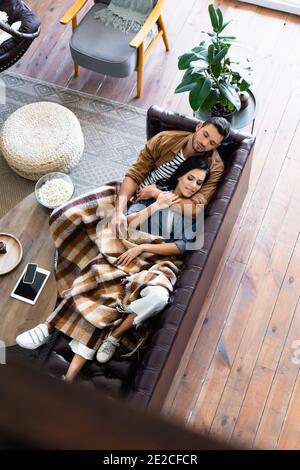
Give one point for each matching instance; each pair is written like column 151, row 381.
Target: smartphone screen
column 30, row 273
column 30, row 292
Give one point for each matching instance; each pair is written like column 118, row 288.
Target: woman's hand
column 148, row 192
column 167, row 199
column 129, row 255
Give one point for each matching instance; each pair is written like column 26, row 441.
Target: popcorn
column 55, row 192
column 3, row 17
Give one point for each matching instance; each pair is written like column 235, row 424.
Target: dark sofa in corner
column 147, row 379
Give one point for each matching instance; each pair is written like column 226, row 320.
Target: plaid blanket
column 93, row 290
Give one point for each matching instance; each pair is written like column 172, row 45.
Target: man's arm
column 127, row 190
column 119, row 219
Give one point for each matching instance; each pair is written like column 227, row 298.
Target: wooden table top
column 28, row 221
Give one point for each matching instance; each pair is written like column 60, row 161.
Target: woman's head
column 189, row 176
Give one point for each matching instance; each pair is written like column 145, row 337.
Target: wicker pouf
column 40, row 138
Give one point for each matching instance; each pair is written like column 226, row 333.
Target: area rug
column 113, row 133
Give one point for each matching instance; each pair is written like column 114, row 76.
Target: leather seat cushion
column 114, row 376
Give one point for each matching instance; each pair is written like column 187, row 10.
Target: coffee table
column 28, row 221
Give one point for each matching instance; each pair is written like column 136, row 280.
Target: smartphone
column 30, row 292
column 30, row 273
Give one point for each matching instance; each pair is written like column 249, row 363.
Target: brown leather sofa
column 146, row 378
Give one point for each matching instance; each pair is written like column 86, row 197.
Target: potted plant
column 215, row 82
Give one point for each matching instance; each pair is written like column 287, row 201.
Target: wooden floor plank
column 242, row 368
column 261, row 381
column 290, row 435
column 195, row 371
column 242, row 307
column 281, row 396
column 264, row 296
column 276, row 153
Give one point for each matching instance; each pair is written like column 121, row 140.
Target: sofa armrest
column 159, row 119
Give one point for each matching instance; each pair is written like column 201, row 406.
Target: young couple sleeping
column 147, row 215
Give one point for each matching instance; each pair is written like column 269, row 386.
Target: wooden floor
column 253, row 305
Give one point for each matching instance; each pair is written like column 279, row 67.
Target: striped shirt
column 165, row 171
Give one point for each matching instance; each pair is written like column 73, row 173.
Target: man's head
column 210, row 134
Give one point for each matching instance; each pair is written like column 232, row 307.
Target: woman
column 185, row 181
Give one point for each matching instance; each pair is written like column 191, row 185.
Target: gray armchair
column 103, row 49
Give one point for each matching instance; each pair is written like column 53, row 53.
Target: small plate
column 13, row 255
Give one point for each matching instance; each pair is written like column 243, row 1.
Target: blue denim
column 155, row 222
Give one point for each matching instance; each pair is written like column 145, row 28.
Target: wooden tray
column 13, row 255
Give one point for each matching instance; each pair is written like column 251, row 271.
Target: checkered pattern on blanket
column 92, row 288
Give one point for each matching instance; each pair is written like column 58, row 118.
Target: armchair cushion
column 102, row 48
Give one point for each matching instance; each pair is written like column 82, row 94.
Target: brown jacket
column 162, row 148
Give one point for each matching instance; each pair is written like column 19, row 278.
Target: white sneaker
column 107, row 349
column 34, row 338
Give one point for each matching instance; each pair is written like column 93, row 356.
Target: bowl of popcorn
column 54, row 189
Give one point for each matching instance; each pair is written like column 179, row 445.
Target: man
column 162, row 155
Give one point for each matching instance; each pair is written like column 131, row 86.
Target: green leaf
column 213, row 17
column 210, row 101
column 223, row 100
column 202, row 55
column 218, row 57
column 182, row 88
column 227, row 40
column 231, row 38
column 215, row 42
column 199, row 93
column 216, row 69
column 241, row 72
column 198, row 49
column 220, row 18
column 210, row 54
column 185, row 60
column 244, row 86
column 198, row 71
column 230, row 94
column 224, row 26
column 188, row 81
